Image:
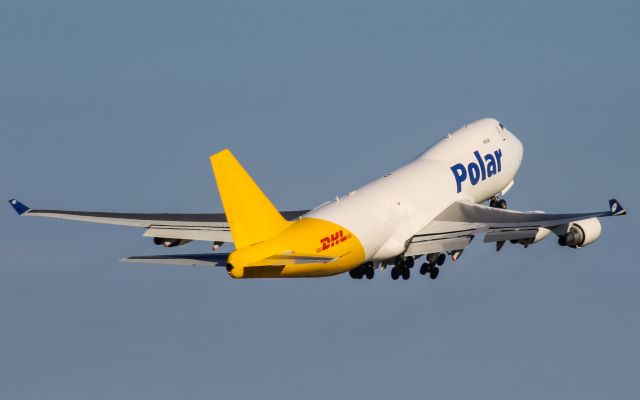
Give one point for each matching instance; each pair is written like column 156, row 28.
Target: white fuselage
column 474, row 164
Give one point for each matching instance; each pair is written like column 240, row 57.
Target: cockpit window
column 501, row 126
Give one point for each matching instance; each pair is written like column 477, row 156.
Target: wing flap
column 419, row 246
column 209, row 234
column 502, row 235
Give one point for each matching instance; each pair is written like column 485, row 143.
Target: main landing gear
column 402, row 268
column 431, row 266
column 362, row 271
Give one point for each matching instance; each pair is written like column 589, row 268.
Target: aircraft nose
column 515, row 145
column 519, row 148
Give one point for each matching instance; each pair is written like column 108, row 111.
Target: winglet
column 19, row 207
column 616, row 208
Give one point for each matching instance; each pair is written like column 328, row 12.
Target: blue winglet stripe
column 616, row 208
column 19, row 207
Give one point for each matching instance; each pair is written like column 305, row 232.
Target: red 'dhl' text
column 333, row 240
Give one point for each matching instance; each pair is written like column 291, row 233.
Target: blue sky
column 117, row 106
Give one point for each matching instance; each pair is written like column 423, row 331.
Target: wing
column 455, row 227
column 207, row 227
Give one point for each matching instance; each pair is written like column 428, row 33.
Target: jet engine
column 167, row 242
column 580, row 233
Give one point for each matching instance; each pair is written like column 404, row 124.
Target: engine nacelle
column 168, row 242
column 542, row 233
column 581, row 233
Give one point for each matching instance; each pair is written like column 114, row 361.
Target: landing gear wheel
column 502, row 203
column 433, row 273
column 369, row 273
column 441, row 259
column 492, row 203
column 409, row 262
column 395, row 273
column 424, row 268
column 406, row 274
column 353, row 274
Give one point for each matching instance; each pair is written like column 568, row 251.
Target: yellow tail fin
column 252, row 217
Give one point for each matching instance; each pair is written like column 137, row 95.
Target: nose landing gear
column 498, row 203
column 502, row 204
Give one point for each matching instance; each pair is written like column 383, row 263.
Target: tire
column 424, row 268
column 502, row 203
column 406, row 274
column 492, row 203
column 395, row 274
column 441, row 259
column 369, row 273
column 435, row 271
column 353, row 274
column 409, row 262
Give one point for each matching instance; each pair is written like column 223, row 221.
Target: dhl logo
column 333, row 240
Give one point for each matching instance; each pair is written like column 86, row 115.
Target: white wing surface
column 455, row 227
column 206, row 227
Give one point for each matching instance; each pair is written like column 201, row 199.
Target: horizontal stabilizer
column 189, row 260
column 220, row 259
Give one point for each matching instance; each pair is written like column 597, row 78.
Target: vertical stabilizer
column 251, row 215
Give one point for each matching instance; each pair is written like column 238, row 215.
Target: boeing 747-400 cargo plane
column 393, row 220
